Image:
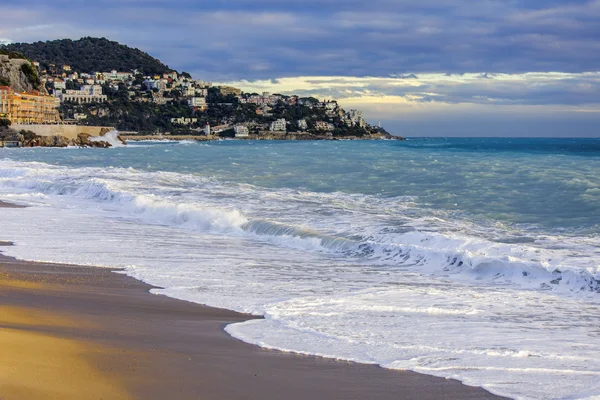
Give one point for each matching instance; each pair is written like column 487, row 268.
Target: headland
column 137, row 93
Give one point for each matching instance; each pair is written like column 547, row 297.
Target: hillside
column 89, row 55
column 18, row 73
column 171, row 103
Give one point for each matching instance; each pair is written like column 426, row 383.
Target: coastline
column 125, row 342
column 271, row 136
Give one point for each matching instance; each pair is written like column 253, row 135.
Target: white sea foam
column 334, row 274
column 111, row 137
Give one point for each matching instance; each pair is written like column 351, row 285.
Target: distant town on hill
column 96, row 81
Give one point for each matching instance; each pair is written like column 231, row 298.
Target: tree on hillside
column 89, row 55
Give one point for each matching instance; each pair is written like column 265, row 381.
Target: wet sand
column 69, row 332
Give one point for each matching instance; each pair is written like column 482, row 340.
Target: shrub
column 31, row 74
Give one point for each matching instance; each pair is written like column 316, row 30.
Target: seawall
column 68, row 131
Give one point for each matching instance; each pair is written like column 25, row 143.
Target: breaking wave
column 145, row 197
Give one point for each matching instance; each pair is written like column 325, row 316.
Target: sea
column 466, row 258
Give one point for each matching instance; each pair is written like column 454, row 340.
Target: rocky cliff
column 19, row 74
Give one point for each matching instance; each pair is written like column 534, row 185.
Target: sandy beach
column 70, row 332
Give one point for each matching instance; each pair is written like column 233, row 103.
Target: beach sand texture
column 69, row 332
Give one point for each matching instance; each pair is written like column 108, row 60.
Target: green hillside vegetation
column 31, row 74
column 12, row 54
column 87, row 55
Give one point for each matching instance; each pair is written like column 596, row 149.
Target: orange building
column 27, row 108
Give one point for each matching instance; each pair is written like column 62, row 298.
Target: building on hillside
column 324, row 126
column 187, row 91
column 241, row 131
column 198, row 103
column 27, row 108
column 265, row 99
column 184, row 121
column 159, row 84
column 117, row 76
column 59, row 84
column 87, row 94
column 124, row 76
column 302, row 125
column 355, row 118
column 66, row 67
column 279, row 125
column 203, row 92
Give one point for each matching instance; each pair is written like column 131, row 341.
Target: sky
column 422, row 68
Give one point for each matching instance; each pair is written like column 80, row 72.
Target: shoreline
column 267, row 137
column 128, row 343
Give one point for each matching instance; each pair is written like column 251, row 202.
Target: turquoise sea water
column 476, row 259
column 545, row 183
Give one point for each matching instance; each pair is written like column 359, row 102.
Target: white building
column 117, row 76
column 59, row 84
column 279, row 126
column 183, row 121
column 302, row 125
column 241, row 131
column 87, row 94
column 92, row 90
column 198, row 102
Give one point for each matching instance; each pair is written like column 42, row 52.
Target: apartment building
column 279, row 125
column 27, row 108
column 87, row 94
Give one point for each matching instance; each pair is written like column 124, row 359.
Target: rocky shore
column 12, row 138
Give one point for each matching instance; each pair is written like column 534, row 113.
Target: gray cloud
column 235, row 39
column 430, row 67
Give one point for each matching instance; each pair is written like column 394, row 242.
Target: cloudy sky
column 422, row 68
